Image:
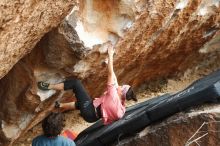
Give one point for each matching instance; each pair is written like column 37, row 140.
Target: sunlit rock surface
column 23, row 23
column 101, row 22
column 153, row 39
column 157, row 33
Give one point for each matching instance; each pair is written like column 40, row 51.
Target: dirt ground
column 74, row 122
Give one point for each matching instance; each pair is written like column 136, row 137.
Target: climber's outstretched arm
column 111, row 74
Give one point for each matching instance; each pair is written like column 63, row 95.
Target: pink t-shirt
column 112, row 108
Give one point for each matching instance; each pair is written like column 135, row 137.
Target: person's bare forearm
column 110, row 65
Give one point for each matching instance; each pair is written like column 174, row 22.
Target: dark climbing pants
column 84, row 102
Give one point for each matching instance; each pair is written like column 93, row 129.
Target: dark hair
column 53, row 124
column 131, row 95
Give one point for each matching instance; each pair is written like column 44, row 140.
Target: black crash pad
column 140, row 115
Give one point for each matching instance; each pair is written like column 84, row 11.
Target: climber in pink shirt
column 113, row 100
column 109, row 107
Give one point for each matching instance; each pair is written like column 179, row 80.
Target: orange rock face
column 166, row 42
column 22, row 24
column 163, row 40
column 153, row 39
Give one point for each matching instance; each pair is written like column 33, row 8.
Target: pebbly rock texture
column 164, row 32
column 23, row 23
column 153, row 39
column 78, row 47
column 197, row 127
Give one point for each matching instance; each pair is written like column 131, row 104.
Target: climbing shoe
column 57, row 104
column 43, row 86
column 77, row 105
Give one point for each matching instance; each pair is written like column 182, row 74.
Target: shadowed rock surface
column 153, row 40
column 22, row 25
column 181, row 129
